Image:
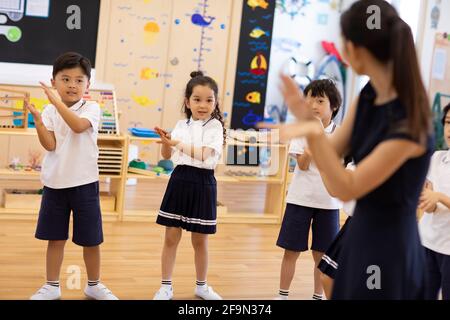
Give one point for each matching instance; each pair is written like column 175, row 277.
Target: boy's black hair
column 444, row 113
column 325, row 88
column 70, row 60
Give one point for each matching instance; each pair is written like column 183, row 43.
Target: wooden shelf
column 32, row 132
column 148, row 177
column 18, row 132
column 134, row 138
column 218, row 178
column 111, row 137
column 273, row 186
column 22, row 173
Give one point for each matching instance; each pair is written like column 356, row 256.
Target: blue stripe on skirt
column 190, row 201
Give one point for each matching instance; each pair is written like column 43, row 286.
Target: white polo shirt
column 208, row 133
column 434, row 227
column 74, row 161
column 306, row 188
column 349, row 206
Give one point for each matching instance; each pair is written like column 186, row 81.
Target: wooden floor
column 244, row 262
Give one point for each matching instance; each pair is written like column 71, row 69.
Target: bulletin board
column 36, row 31
column 439, row 91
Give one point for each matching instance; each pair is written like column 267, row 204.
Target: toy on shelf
column 34, row 164
column 139, row 164
column 167, row 165
column 139, row 167
column 13, row 111
column 34, row 159
column 109, row 121
column 143, row 133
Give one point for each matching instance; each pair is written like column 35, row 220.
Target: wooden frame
column 16, row 95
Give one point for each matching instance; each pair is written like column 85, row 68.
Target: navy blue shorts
column 54, row 215
column 294, row 231
column 437, row 275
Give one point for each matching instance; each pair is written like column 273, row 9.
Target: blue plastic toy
column 142, row 132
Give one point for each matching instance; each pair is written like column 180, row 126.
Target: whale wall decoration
column 253, row 63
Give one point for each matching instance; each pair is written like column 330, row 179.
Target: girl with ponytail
column 190, row 202
column 388, row 134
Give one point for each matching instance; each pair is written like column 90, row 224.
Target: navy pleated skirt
column 328, row 265
column 190, row 201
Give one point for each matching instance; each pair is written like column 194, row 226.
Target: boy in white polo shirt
column 308, row 200
column 68, row 130
column 434, row 226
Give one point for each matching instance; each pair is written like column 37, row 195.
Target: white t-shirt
column 306, row 188
column 74, row 161
column 200, row 133
column 349, row 206
column 434, row 227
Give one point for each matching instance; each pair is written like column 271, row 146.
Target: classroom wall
column 429, row 35
column 298, row 31
column 152, row 46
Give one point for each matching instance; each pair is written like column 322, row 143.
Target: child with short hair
column 434, row 226
column 68, row 129
column 308, row 201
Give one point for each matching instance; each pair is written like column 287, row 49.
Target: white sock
column 283, row 293
column 166, row 283
column 92, row 283
column 201, row 284
column 317, row 296
column 53, row 283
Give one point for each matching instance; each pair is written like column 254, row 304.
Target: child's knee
column 172, row 240
column 199, row 241
column 57, row 243
column 291, row 255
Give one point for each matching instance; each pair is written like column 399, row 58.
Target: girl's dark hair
column 70, row 60
column 325, row 88
column 444, row 113
column 392, row 43
column 199, row 79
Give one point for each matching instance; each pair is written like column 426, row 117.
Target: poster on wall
column 252, row 63
column 37, row 31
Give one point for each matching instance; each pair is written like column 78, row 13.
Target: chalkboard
column 38, row 37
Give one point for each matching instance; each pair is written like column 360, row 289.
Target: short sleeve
column 92, row 112
column 213, row 137
column 48, row 117
column 177, row 132
column 431, row 176
column 297, row 146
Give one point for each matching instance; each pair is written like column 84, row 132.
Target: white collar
column 78, row 105
column 446, row 158
column 202, row 122
column 330, row 127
